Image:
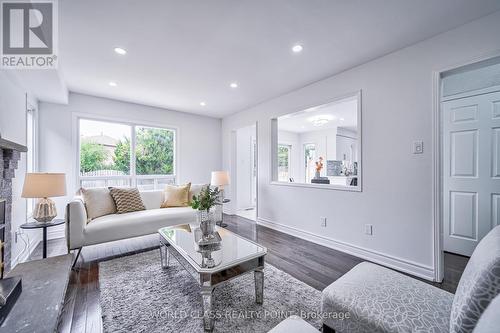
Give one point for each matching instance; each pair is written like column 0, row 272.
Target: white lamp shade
column 44, row 185
column 219, row 178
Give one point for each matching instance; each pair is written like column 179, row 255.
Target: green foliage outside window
column 154, row 154
column 283, row 155
column 154, row 151
column 92, row 157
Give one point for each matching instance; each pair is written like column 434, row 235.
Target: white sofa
column 114, row 227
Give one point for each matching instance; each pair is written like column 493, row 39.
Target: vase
column 317, row 175
column 206, row 219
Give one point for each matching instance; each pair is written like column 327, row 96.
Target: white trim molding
column 437, row 213
column 403, row 265
column 26, row 254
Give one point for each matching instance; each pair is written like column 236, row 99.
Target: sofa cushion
column 126, row 199
column 372, row 298
column 176, row 196
column 479, row 284
column 140, row 223
column 98, row 202
column 152, row 199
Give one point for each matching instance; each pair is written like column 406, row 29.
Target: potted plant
column 203, row 203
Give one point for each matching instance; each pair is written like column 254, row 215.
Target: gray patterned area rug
column 137, row 295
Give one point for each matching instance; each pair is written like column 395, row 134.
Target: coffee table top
column 233, row 249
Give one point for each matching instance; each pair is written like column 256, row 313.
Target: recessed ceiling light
column 112, row 84
column 297, row 48
column 342, row 119
column 120, row 51
column 234, row 85
column 203, row 103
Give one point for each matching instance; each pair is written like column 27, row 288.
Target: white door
column 471, row 170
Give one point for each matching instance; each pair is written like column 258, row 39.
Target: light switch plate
column 418, row 147
column 368, row 229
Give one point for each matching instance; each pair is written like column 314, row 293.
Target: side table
column 44, row 226
column 221, row 222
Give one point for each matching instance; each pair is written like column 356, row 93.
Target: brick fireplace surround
column 10, row 154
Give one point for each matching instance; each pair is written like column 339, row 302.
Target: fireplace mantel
column 9, row 145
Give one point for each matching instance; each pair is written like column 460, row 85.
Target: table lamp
column 43, row 186
column 220, row 179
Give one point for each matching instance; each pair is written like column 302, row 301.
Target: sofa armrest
column 76, row 220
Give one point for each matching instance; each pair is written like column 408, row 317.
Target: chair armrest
column 76, row 220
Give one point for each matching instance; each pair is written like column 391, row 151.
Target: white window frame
column 132, row 177
column 289, row 146
column 305, row 171
column 32, row 145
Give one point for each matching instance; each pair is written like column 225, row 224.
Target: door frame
column 437, row 161
column 233, row 169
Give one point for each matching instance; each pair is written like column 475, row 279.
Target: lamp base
column 45, row 210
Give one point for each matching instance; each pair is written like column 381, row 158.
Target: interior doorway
column 469, row 154
column 246, row 172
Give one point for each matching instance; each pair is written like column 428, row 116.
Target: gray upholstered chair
column 489, row 322
column 372, row 298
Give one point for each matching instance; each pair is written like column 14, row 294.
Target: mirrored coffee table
column 215, row 263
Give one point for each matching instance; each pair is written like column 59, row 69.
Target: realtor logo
column 29, row 35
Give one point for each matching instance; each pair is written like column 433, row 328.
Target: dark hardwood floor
column 316, row 265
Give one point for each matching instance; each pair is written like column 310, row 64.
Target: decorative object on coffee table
column 220, row 179
column 43, row 186
column 205, row 203
column 44, row 226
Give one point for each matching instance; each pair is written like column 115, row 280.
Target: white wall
column 199, row 138
column 13, row 128
column 347, row 145
column 397, row 102
column 244, row 141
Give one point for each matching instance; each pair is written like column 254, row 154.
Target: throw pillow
column 176, row 196
column 126, row 199
column 98, row 202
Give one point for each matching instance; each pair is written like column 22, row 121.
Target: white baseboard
column 23, row 256
column 403, row 265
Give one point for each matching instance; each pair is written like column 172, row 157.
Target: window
column 116, row 154
column 31, row 165
column 310, row 159
column 284, row 162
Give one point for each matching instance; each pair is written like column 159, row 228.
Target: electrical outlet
column 323, row 221
column 369, row 229
column 418, row 147
column 17, row 233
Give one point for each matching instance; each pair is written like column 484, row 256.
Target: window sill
column 320, row 186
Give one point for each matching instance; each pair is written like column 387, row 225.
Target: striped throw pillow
column 126, row 199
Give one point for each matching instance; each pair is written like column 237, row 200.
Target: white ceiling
column 343, row 113
column 186, row 51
